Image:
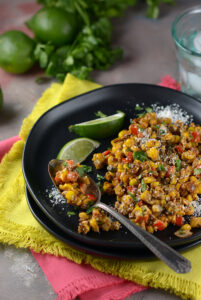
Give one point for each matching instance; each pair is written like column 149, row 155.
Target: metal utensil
column 168, row 255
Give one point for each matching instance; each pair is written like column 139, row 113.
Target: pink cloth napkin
column 69, row 279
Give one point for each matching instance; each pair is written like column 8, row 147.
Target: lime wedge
column 100, row 128
column 78, row 149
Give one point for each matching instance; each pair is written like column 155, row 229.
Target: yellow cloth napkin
column 19, row 227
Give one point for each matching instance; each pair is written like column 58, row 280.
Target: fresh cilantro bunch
column 91, row 49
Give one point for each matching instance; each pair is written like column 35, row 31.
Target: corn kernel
column 122, row 133
column 153, row 154
column 198, row 189
column 129, row 142
column 154, row 184
column 94, row 225
column 133, row 181
column 188, row 155
column 172, row 194
column 185, row 134
column 137, row 208
column 174, row 180
column 120, row 168
column 186, row 227
column 150, row 229
column 146, row 196
column 149, row 179
column 177, row 139
column 65, row 187
column 163, row 202
column 189, row 198
column 153, row 165
column 153, row 136
column 63, row 174
column 70, row 195
column 83, row 216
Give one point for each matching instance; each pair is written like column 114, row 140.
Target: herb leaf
column 161, row 168
column 197, row 171
column 178, row 165
column 133, row 197
column 140, row 155
column 138, row 107
column 70, row 213
column 100, row 177
column 144, row 186
column 149, row 109
column 83, row 169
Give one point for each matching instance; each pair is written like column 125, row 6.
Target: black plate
column 50, row 133
column 100, row 251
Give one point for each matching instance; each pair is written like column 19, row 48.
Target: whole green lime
column 53, row 25
column 1, row 98
column 16, row 52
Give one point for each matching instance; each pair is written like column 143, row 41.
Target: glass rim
column 188, row 11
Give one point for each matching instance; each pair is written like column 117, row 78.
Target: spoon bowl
column 168, row 255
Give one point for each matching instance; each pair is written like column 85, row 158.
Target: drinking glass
column 186, row 32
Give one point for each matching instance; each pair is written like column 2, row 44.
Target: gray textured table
column 148, row 55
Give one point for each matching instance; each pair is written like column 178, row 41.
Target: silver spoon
column 168, row 255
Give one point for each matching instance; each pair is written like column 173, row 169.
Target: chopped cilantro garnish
column 100, row 114
column 90, row 207
column 140, row 155
column 178, row 165
column 70, row 213
column 162, row 131
column 99, row 184
column 161, row 168
column 148, row 109
column 133, row 197
column 157, row 126
column 65, row 164
column 89, row 210
column 90, row 203
column 138, row 107
column 141, row 115
column 100, row 177
column 140, row 129
column 197, row 171
column 128, row 165
column 83, row 169
column 144, row 186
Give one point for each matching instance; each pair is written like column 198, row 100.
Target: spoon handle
column 164, row 252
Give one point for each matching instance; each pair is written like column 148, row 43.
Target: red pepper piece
column 159, row 225
column 171, row 170
column 140, row 218
column 72, row 176
column 134, row 129
column 129, row 156
column 179, row 148
column 196, row 136
column 179, row 221
column 91, row 197
column 140, row 203
column 106, row 152
column 129, row 188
